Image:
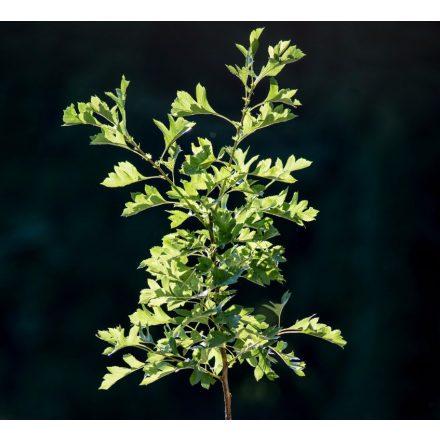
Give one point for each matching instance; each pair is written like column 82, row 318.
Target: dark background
column 370, row 123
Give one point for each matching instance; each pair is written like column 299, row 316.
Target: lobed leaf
column 124, row 174
column 177, row 128
column 200, row 160
column 278, row 308
column 280, row 55
column 283, row 96
column 143, row 317
column 312, row 326
column 186, row 105
column 114, row 374
column 278, row 171
column 142, row 201
column 117, row 339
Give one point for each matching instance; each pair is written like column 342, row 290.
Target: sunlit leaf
column 311, row 326
column 142, row 201
column 125, row 174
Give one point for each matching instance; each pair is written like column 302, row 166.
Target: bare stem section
column 225, row 384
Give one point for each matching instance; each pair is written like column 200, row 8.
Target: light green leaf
column 108, row 136
column 102, row 109
column 155, row 372
column 132, row 362
column 254, row 40
column 124, row 85
column 293, row 362
column 145, row 318
column 269, row 203
column 143, row 201
column 177, row 217
column 258, row 373
column 295, row 211
column 263, row 368
column 240, row 160
column 280, row 55
column 201, row 158
column 242, row 73
column 278, row 171
column 110, row 121
column 177, row 128
column 125, row 174
column 114, row 374
column 186, row 105
column 242, row 49
column 70, row 116
column 268, row 115
column 117, row 339
column 284, row 95
column 120, row 97
column 312, row 326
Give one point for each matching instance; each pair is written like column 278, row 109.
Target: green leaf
column 70, row 116
column 242, row 49
column 268, row 115
column 293, row 362
column 224, row 224
column 263, row 266
column 177, row 217
column 258, row 373
column 242, row 73
column 117, row 339
column 125, row 174
column 263, row 368
column 284, row 95
column 143, row 201
column 177, row 128
column 132, row 362
column 217, row 338
column 120, row 97
column 254, row 40
column 114, row 374
column 205, row 379
column 278, row 171
column 200, row 160
column 269, row 203
column 110, row 121
column 280, row 55
column 102, row 109
column 295, row 211
column 143, row 317
column 156, row 372
column 240, row 160
column 108, row 136
column 186, row 105
column 277, row 308
column 195, row 377
column 312, row 326
column 124, row 85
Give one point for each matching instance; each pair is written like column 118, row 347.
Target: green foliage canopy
column 189, row 294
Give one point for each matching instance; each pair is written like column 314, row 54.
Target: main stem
column 224, row 377
column 225, row 384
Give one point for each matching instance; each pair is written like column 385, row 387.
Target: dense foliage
column 186, row 319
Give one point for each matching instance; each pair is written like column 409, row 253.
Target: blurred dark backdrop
column 370, row 123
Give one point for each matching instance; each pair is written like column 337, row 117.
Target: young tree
column 190, row 295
